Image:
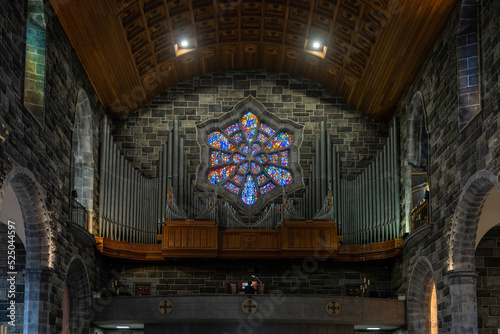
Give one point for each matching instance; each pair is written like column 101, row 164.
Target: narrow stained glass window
column 249, row 195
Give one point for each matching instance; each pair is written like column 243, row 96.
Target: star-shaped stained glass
column 249, row 158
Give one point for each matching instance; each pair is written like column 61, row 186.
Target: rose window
column 251, row 158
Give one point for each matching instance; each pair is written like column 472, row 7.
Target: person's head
column 249, row 282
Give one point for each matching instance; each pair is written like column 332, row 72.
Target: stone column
column 463, row 286
column 38, row 286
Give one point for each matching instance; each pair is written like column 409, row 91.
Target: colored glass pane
column 237, row 137
column 231, row 187
column 255, row 148
column 262, row 179
column 243, row 169
column 268, row 187
column 284, row 158
column 274, row 158
column 267, row 129
column 251, row 135
column 262, row 138
column 279, row 175
column 224, row 157
column 255, row 168
column 218, row 140
column 280, row 141
column 238, row 158
column 261, row 158
column 233, row 128
column 249, row 122
column 237, row 178
column 218, row 175
column 249, row 194
column 244, row 148
column 214, row 158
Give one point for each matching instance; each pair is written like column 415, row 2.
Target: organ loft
column 254, row 166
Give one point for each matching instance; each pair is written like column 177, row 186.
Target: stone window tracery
column 251, row 157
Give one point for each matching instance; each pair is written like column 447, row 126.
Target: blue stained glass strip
column 251, row 135
column 280, row 141
column 214, row 158
column 267, row 188
column 218, row 175
column 218, row 140
column 233, row 128
column 280, row 175
column 267, row 129
column 249, row 194
column 262, row 138
column 284, row 158
column 231, row 187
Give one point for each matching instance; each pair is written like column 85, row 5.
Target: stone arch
column 469, row 97
column 466, row 218
column 417, row 139
column 77, row 280
column 419, row 292
column 31, row 198
column 83, row 153
column 417, row 153
column 38, row 272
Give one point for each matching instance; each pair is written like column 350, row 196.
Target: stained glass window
column 250, row 158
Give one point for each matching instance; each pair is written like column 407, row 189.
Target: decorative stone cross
column 165, row 307
column 333, row 307
column 249, row 306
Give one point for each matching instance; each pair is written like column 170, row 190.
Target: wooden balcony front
column 203, row 239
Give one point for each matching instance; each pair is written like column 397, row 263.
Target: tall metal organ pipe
column 133, row 207
column 365, row 209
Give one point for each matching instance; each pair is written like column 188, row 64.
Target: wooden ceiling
column 374, row 48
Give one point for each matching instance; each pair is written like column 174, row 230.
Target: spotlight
column 373, row 328
column 184, row 43
column 122, row 327
column 316, row 45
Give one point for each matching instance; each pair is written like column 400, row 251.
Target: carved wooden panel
column 185, row 238
column 374, row 47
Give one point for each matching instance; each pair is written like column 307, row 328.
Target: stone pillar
column 38, row 287
column 463, row 286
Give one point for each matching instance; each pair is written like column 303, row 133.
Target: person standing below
column 249, row 289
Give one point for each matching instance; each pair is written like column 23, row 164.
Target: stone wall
column 488, row 282
column 454, row 155
column 44, row 146
column 141, row 136
column 283, row 276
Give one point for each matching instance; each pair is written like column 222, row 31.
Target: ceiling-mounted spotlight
column 184, row 43
column 316, row 45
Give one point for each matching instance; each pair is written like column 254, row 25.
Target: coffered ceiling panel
column 370, row 49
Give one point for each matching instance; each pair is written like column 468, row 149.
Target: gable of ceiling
column 374, row 48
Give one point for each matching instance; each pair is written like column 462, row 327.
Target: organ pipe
column 133, row 207
column 366, row 207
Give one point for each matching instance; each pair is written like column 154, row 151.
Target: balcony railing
column 79, row 214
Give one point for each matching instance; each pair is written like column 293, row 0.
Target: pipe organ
column 133, row 208
column 366, row 209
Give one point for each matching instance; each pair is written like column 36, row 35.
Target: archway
column 37, row 275
column 78, row 296
column 461, row 275
column 417, row 159
column 422, row 299
column 83, row 163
